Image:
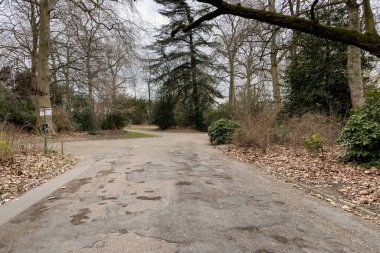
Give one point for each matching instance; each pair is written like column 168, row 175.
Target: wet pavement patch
column 280, row 239
column 74, row 185
column 104, row 173
column 101, row 186
column 78, row 218
column 299, row 242
column 251, row 229
column 183, row 183
column 108, row 198
column 149, row 198
column 32, row 214
column 226, row 177
column 132, row 171
column 263, row 251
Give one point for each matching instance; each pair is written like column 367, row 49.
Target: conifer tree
column 182, row 64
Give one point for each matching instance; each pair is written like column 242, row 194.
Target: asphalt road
column 178, row 194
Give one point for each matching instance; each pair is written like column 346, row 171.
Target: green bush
column 223, row 111
column 314, row 143
column 221, row 131
column 114, row 120
column 361, row 135
column 163, row 114
column 85, row 120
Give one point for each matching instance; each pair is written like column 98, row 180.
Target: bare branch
column 367, row 42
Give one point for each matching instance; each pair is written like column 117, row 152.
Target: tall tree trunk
column 67, row 93
column 198, row 117
column 195, row 96
column 294, row 46
column 274, row 63
column 249, row 74
column 231, row 90
column 114, row 88
column 369, row 21
column 90, row 84
column 43, row 76
column 354, row 68
column 34, row 51
column 149, row 99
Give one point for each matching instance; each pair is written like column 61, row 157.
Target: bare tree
column 369, row 40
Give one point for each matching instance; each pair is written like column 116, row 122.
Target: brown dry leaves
column 355, row 184
column 25, row 170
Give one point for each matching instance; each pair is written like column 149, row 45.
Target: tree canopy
column 369, row 40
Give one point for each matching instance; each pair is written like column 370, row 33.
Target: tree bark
column 368, row 42
column 43, row 76
column 354, row 68
column 34, row 51
column 198, row 118
column 274, row 63
column 369, row 22
column 231, row 90
column 90, row 84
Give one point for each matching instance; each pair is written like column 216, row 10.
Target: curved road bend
column 175, row 194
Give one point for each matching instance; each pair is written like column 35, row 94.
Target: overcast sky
column 149, row 12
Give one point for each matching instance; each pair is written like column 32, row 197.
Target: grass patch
column 134, row 135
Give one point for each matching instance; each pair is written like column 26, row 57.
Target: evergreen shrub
column 361, row 135
column 221, row 131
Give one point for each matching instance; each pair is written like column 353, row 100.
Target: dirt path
column 177, row 193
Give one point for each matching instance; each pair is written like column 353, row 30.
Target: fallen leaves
column 25, row 170
column 360, row 186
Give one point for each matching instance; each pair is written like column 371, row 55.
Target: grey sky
column 149, row 12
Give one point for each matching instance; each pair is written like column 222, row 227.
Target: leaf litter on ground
column 25, row 170
column 356, row 184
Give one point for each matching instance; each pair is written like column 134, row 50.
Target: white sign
column 46, row 112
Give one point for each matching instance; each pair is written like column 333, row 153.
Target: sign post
column 45, row 112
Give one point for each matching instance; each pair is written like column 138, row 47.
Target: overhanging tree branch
column 312, row 10
column 366, row 41
column 196, row 23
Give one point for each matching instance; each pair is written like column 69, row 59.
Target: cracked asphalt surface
column 178, row 194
